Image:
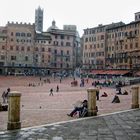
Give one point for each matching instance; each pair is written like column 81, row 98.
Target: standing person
column 3, row 96
column 97, row 94
column 60, row 79
column 87, row 80
column 51, row 92
column 57, row 88
column 7, row 93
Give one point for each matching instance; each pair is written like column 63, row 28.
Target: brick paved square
column 38, row 108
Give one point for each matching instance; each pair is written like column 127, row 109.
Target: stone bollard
column 14, row 111
column 92, row 102
column 135, row 97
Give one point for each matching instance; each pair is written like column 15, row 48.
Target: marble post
column 14, row 111
column 135, row 97
column 92, row 102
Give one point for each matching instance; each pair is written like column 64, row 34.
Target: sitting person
column 116, row 99
column 120, row 92
column 104, row 94
column 83, row 110
column 125, row 93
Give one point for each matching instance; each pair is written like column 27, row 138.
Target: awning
column 109, row 72
column 117, row 72
column 97, row 71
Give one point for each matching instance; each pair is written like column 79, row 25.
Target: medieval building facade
column 23, row 50
column 113, row 46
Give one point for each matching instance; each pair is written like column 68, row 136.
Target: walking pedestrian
column 57, row 88
column 7, row 93
column 51, row 92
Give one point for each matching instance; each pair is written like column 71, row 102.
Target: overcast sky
column 83, row 13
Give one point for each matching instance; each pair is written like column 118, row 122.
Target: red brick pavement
column 38, row 108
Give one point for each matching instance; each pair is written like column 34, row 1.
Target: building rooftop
column 52, row 27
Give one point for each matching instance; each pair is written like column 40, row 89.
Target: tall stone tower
column 39, row 19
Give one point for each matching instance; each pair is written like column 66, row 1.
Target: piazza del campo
column 45, row 74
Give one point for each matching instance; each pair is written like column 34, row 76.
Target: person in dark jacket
column 57, row 88
column 7, row 93
column 104, row 94
column 83, row 110
column 51, row 92
column 97, row 94
column 116, row 99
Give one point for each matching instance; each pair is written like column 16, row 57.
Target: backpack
column 84, row 112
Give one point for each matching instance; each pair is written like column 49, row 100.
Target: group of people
column 120, row 91
column 40, row 83
column 82, row 83
column 5, row 95
column 83, row 110
column 116, row 97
